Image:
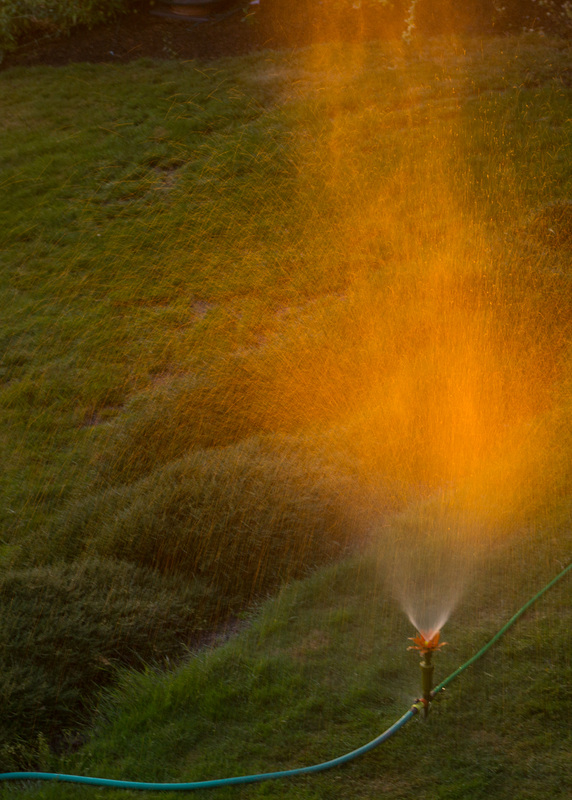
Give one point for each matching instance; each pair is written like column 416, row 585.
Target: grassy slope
column 157, row 218
column 372, row 318
column 324, row 668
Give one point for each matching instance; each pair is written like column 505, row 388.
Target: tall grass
column 67, row 629
column 324, row 667
column 252, row 309
column 23, row 18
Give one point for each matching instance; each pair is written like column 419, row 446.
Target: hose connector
column 419, row 706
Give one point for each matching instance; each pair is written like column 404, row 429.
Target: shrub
column 243, row 518
column 64, row 632
column 19, row 18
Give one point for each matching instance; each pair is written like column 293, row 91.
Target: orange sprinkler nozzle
column 425, row 645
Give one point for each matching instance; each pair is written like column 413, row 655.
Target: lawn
column 273, row 313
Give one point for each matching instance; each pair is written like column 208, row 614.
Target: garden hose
column 502, row 631
column 289, row 773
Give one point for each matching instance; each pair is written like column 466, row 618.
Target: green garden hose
column 502, row 631
column 289, row 773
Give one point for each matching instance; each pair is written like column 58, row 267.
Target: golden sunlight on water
column 441, row 362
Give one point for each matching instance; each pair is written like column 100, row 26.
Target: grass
column 20, row 19
column 323, row 668
column 257, row 314
column 67, row 629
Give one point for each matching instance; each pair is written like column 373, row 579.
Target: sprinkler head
column 426, row 646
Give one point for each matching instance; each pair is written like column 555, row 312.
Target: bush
column 64, row 632
column 19, row 18
column 243, row 519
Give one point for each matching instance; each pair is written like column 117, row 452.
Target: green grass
column 257, row 314
column 67, row 629
column 324, row 668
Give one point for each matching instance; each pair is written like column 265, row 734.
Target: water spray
column 426, row 645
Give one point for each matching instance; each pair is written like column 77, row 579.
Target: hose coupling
column 419, row 706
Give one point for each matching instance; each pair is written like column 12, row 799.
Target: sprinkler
column 426, row 645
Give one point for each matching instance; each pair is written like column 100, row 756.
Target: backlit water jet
column 428, row 558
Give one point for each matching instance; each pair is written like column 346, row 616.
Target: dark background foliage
column 103, row 30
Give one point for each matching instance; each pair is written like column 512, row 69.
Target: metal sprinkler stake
column 426, row 646
column 427, row 669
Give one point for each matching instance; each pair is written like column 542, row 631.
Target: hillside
column 286, row 353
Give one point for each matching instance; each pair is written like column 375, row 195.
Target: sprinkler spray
column 426, row 646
